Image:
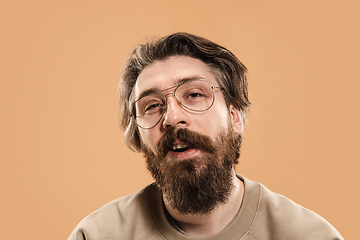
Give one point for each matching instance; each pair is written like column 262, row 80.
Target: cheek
column 211, row 122
column 220, row 117
column 150, row 137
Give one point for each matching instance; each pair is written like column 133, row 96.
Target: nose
column 175, row 115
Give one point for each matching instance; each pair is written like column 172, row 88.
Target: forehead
column 167, row 73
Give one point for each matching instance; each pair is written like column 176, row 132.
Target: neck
column 203, row 225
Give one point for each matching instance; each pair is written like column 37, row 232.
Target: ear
column 236, row 120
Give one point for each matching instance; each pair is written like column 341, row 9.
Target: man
column 183, row 104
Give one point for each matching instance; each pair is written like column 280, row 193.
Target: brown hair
column 229, row 72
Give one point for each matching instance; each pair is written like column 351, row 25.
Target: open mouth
column 180, row 147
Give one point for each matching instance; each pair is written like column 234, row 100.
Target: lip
column 184, row 155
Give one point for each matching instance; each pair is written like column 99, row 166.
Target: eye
column 153, row 107
column 194, row 95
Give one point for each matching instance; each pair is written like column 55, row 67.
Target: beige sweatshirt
column 264, row 215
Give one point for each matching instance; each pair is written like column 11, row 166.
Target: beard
column 198, row 184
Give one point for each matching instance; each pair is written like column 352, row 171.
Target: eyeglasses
column 197, row 95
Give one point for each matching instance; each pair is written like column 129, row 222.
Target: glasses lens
column 149, row 110
column 196, row 95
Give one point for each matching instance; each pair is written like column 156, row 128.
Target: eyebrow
column 177, row 83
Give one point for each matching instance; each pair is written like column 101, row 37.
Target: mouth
column 180, row 150
column 181, row 147
column 183, row 143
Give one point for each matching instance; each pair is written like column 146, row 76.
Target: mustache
column 188, row 137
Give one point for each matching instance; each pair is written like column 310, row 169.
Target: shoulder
column 117, row 219
column 282, row 218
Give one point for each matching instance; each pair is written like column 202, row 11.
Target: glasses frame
column 177, row 100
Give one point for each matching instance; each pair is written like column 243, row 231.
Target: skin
column 164, row 74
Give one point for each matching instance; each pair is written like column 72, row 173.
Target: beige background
column 62, row 153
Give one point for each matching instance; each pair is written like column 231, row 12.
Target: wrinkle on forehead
column 176, row 83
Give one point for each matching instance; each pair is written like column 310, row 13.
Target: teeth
column 179, row 146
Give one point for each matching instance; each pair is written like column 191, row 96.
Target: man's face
column 198, row 175
column 167, row 73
